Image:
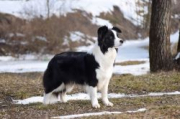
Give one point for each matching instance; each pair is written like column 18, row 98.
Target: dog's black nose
column 121, row 41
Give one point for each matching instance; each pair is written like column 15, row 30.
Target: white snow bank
column 6, row 58
column 97, row 114
column 24, row 63
column 23, row 66
column 85, row 96
column 101, row 22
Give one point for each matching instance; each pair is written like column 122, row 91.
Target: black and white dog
column 92, row 70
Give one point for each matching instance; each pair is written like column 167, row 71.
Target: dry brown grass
column 53, row 29
column 130, row 63
column 24, row 85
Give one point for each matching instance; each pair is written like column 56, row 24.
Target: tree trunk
column 178, row 48
column 48, row 8
column 159, row 47
column 178, row 51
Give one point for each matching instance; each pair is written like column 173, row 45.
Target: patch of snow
column 97, row 114
column 139, row 110
column 174, row 37
column 101, row 22
column 2, row 40
column 23, row 66
column 163, row 93
column 84, row 48
column 37, row 99
column 86, row 115
column 85, row 96
column 41, row 38
column 139, row 69
column 24, row 43
column 34, row 57
column 6, row 58
column 177, row 56
column 11, row 34
column 24, row 63
column 8, row 6
column 16, row 34
column 133, row 50
column 66, row 41
column 89, row 42
column 176, row 16
column 20, row 35
column 76, row 36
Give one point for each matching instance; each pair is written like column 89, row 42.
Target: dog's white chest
column 105, row 61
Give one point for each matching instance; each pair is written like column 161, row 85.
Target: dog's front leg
column 104, row 94
column 93, row 95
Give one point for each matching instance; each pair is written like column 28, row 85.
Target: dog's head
column 109, row 38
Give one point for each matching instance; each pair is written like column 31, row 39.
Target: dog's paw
column 96, row 105
column 110, row 104
column 64, row 101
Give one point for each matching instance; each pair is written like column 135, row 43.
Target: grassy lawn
column 24, row 85
column 130, row 63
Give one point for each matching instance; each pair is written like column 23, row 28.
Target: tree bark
column 178, row 48
column 159, row 47
column 178, row 51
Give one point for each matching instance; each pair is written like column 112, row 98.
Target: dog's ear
column 102, row 31
column 117, row 29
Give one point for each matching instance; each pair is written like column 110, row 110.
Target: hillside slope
column 67, row 25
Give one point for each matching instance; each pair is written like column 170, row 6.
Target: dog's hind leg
column 50, row 98
column 63, row 97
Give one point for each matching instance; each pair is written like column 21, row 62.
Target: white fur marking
column 117, row 40
column 60, row 88
column 105, row 61
column 50, row 98
column 93, row 96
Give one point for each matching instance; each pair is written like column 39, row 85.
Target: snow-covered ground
column 130, row 51
column 85, row 96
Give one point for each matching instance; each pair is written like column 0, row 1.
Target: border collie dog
column 92, row 70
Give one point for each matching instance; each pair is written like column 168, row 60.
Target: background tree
column 178, row 48
column 159, row 47
column 48, row 8
column 177, row 58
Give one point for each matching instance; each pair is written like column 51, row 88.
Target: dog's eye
column 111, row 37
